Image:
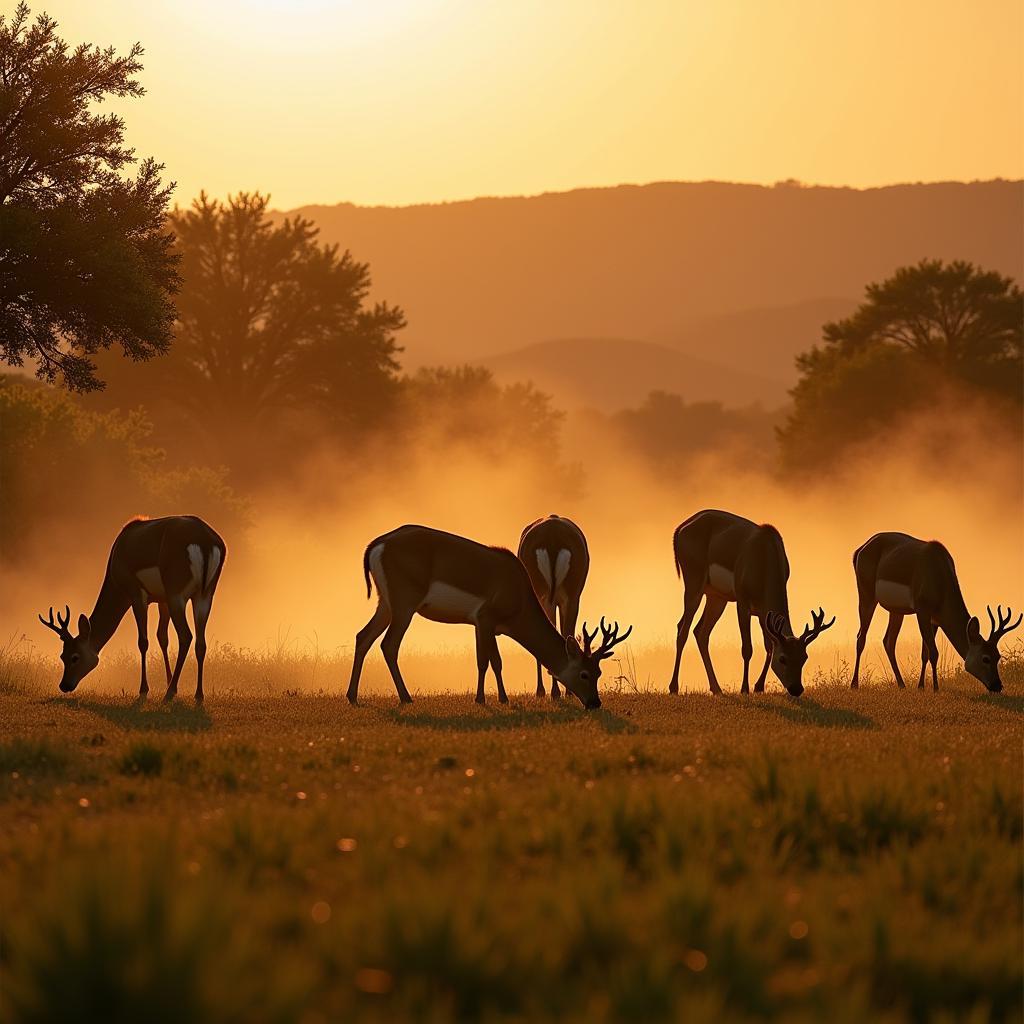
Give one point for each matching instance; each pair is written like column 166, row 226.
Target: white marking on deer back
column 195, row 563
column 211, row 569
column 894, row 597
column 377, row 572
column 722, row 580
column 445, row 603
column 562, row 561
column 544, row 565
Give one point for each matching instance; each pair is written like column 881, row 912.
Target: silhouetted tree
column 273, row 328
column 52, row 447
column 466, row 406
column 931, row 334
column 672, row 433
column 86, row 259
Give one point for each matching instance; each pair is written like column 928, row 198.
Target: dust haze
column 293, row 581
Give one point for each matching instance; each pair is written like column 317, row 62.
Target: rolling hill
column 739, row 274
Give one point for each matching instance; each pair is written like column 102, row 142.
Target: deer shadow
column 1012, row 703
column 807, row 711
column 498, row 719
column 143, row 716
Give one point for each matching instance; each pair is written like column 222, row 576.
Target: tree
column 465, row 406
column 55, row 454
column 273, row 332
column 86, row 259
column 673, row 434
column 931, row 334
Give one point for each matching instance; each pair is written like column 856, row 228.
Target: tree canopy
column 86, row 258
column 931, row 334
column 270, row 320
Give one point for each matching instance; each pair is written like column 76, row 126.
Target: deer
column 448, row 578
column 723, row 557
column 169, row 562
column 554, row 551
column 908, row 576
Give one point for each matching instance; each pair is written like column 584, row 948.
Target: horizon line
column 786, row 183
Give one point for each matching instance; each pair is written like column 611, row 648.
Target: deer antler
column 1004, row 627
column 60, row 627
column 820, row 625
column 609, row 638
column 588, row 639
column 775, row 623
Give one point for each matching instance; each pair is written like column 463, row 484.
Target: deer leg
column 892, row 633
column 759, row 685
column 201, row 608
column 929, row 650
column 140, row 607
column 391, row 643
column 365, row 639
column 568, row 613
column 550, row 613
column 556, row 613
column 713, row 608
column 162, row 637
column 176, row 607
column 483, row 659
column 746, row 644
column 496, row 669
column 691, row 602
column 866, row 610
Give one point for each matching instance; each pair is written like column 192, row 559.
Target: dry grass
column 851, row 856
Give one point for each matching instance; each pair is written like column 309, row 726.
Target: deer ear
column 83, row 627
column 572, row 647
column 973, row 630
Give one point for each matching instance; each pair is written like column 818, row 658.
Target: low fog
column 293, row 582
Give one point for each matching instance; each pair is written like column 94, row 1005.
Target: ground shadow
column 500, row 718
column 806, row 711
column 144, row 716
column 1003, row 701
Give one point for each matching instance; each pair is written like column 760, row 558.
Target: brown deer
column 907, row 576
column 168, row 562
column 721, row 558
column 448, row 578
column 554, row 551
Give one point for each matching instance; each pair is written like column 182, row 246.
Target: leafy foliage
column 275, row 340
column 55, row 455
column 86, row 261
column 931, row 334
column 465, row 406
column 672, row 433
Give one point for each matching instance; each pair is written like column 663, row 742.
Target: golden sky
column 404, row 101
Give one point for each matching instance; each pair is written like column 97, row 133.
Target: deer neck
column 953, row 619
column 111, row 605
column 532, row 629
column 776, row 601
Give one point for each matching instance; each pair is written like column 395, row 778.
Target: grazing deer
column 555, row 554
column 907, row 576
column 168, row 562
column 451, row 579
column 723, row 557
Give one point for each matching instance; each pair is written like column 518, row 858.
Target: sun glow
column 400, row 101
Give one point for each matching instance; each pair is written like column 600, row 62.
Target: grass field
column 852, row 856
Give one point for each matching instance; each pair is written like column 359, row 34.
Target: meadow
column 290, row 858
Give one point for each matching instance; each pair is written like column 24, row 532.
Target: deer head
column 78, row 656
column 982, row 659
column 789, row 653
column 584, row 666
